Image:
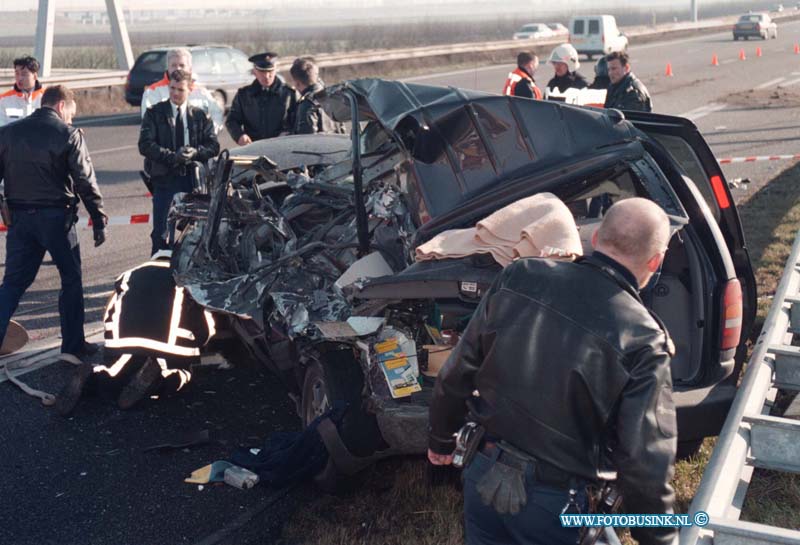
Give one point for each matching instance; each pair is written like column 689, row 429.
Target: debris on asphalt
column 739, row 183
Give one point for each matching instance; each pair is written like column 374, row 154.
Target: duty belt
column 543, row 472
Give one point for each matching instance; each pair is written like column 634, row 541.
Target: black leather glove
column 186, row 154
column 99, row 237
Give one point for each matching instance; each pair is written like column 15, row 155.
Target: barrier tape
column 141, row 219
column 86, row 223
column 757, row 158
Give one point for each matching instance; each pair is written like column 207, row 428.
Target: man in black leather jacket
column 263, row 109
column 625, row 92
column 170, row 143
column 310, row 118
column 563, row 363
column 46, row 168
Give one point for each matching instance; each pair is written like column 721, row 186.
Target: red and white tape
column 758, row 158
column 85, row 223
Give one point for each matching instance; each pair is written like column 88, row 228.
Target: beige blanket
column 537, row 226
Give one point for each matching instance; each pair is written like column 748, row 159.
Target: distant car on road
column 533, row 31
column 755, row 25
column 558, row 29
column 779, row 8
column 220, row 68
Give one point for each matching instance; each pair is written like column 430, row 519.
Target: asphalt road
column 85, row 480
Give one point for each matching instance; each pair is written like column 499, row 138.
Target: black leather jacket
column 573, row 369
column 310, row 117
column 45, row 163
column 262, row 113
column 570, row 80
column 157, row 144
column 629, row 94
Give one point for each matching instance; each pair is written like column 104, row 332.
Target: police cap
column 264, row 61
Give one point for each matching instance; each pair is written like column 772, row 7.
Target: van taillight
column 719, row 191
column 731, row 315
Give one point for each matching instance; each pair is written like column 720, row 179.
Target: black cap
column 264, row 61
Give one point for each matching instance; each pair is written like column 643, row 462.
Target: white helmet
column 567, row 54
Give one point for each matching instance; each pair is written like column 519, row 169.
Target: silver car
column 755, row 25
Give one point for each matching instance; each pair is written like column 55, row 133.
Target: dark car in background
column 219, row 68
column 304, row 246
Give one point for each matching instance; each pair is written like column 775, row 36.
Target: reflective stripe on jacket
column 514, row 78
column 15, row 104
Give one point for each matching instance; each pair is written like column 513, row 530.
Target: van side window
column 594, row 26
column 578, row 27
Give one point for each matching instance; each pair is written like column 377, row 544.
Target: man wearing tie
column 173, row 135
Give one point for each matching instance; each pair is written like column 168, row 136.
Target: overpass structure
column 45, row 27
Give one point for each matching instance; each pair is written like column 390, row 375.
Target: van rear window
column 578, row 27
column 594, row 26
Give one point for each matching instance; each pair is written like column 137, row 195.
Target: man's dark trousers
column 33, row 232
column 164, row 191
column 538, row 521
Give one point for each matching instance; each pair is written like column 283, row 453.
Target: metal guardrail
column 750, row 438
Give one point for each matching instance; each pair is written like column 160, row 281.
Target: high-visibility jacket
column 16, row 104
column 514, row 78
column 199, row 97
column 149, row 315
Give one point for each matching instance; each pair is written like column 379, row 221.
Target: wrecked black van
column 306, row 244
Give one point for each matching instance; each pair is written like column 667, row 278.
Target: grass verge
column 396, row 505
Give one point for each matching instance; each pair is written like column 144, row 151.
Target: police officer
column 263, row 109
column 626, row 92
column 154, row 334
column 26, row 96
column 520, row 82
column 564, row 59
column 310, row 118
column 569, row 375
column 45, row 163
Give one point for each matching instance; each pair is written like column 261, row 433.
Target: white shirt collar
column 175, row 109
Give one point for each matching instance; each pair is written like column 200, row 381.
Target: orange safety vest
column 514, row 78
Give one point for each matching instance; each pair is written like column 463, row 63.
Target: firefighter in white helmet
column 564, row 59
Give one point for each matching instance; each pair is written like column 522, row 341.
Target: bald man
column 567, row 375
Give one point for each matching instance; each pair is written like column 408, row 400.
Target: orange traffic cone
column 758, row 51
column 668, row 71
column 797, row 49
column 742, row 55
column 714, row 60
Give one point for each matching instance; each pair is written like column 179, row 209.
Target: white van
column 596, row 35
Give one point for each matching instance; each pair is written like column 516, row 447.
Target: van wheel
column 338, row 378
column 735, row 38
column 589, row 56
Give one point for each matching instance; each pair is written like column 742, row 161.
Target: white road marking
column 790, row 83
column 769, row 83
column 459, row 72
column 703, row 111
column 728, row 61
column 113, row 150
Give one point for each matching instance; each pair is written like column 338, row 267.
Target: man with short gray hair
column 567, row 374
column 199, row 97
